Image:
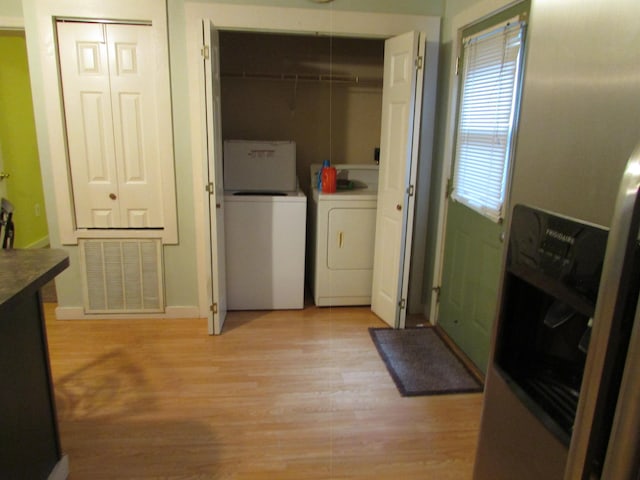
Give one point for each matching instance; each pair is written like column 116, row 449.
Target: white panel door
column 401, row 100
column 133, row 100
column 211, row 77
column 87, row 104
column 109, row 98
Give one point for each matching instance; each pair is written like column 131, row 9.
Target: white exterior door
column 109, row 101
column 401, row 108
column 211, row 81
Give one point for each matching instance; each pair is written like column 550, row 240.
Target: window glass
column 491, row 72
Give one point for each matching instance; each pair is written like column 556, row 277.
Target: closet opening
column 324, row 93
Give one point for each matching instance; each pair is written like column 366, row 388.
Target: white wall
column 11, row 8
column 180, row 260
column 418, row 7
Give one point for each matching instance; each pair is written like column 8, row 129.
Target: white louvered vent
column 122, row 276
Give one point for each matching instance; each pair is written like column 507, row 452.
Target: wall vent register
column 122, row 276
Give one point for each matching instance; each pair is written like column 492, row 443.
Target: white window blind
column 488, row 102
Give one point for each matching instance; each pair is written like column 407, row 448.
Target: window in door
column 489, row 93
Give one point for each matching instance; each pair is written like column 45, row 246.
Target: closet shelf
column 306, row 77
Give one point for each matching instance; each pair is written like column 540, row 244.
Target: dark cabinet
column 29, row 439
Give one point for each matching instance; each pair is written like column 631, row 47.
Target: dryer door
column 350, row 239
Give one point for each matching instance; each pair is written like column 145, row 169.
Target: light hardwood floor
column 280, row 395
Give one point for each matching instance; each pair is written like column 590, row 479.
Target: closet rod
column 296, row 77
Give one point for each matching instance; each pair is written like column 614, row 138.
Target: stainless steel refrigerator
column 562, row 394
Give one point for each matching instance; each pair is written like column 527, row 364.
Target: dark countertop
column 26, row 271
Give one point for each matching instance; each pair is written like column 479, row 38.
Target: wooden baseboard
column 41, row 243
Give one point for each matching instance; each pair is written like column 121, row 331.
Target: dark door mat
column 420, row 363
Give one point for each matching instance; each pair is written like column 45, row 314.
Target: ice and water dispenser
column 550, row 289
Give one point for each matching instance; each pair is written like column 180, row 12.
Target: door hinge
column 449, row 188
column 457, row 65
column 410, row 190
column 204, row 51
column 209, row 188
column 419, row 63
column 402, row 304
column 214, row 308
column 437, row 291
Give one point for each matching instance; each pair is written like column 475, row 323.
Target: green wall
column 18, row 142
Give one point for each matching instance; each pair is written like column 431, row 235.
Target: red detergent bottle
column 329, row 179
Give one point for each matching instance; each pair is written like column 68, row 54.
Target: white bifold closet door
column 110, row 112
column 401, row 111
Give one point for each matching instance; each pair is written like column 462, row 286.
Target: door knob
column 398, row 207
column 4, row 175
column 112, row 196
column 501, row 237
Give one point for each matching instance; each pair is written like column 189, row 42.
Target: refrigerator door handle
column 623, row 237
column 623, row 453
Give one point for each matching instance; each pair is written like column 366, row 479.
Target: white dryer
column 265, row 226
column 342, row 237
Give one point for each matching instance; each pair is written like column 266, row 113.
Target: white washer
column 265, row 230
column 342, row 233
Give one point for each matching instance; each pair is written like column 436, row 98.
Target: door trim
column 11, row 23
column 275, row 19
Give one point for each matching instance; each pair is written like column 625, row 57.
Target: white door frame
column 470, row 15
column 272, row 19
